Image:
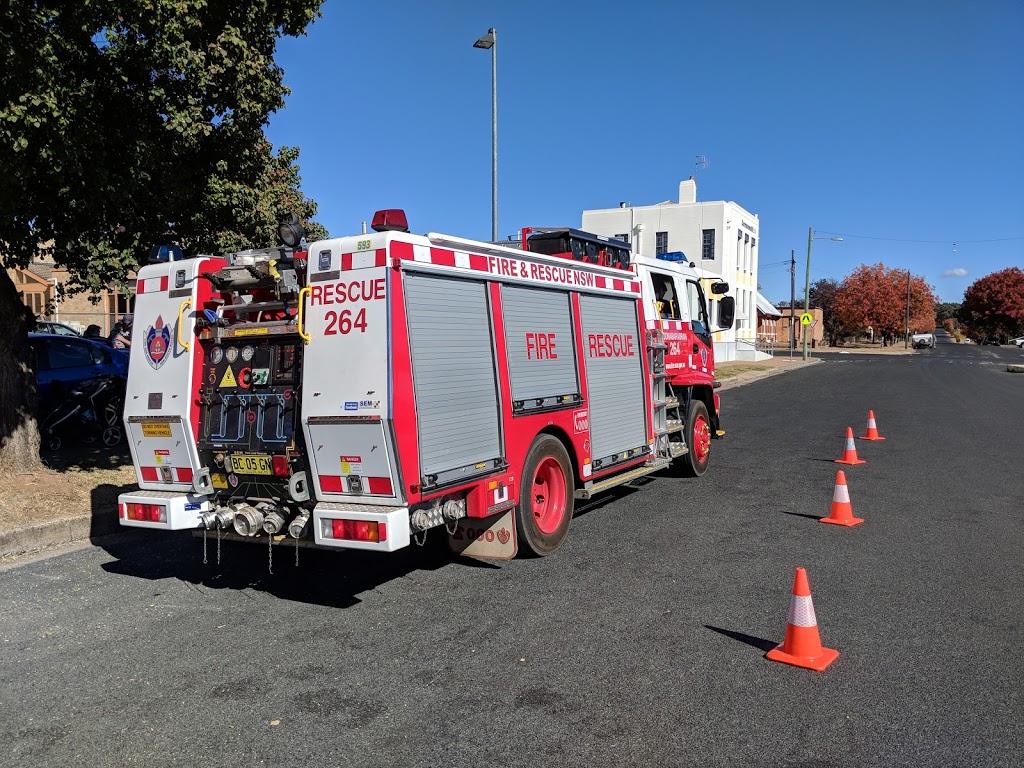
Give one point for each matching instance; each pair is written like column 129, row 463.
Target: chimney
column 688, row 191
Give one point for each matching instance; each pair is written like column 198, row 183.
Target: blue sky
column 901, row 121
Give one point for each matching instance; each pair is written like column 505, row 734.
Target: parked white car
column 923, row 340
column 1018, row 342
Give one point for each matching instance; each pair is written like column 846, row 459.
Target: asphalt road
column 640, row 642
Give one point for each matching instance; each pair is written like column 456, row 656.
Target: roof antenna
column 700, row 162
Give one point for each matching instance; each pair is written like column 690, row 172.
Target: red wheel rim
column 548, row 499
column 701, row 438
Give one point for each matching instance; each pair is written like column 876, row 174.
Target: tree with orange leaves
column 877, row 296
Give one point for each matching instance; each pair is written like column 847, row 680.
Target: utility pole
column 792, row 302
column 906, row 339
column 807, row 285
column 489, row 42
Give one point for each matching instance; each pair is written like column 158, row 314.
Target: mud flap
column 490, row 538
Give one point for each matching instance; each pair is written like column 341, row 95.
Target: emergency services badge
column 704, row 357
column 158, row 343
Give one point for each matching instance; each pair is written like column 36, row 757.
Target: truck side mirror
column 719, row 287
column 726, row 311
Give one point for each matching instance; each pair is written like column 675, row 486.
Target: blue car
column 64, row 362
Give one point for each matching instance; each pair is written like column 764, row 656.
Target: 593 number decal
column 343, row 322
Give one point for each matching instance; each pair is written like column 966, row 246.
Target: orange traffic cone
column 842, row 509
column 850, row 452
column 802, row 646
column 872, row 431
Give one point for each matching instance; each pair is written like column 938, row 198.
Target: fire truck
column 358, row 392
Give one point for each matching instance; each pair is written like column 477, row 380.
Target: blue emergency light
column 673, row 256
column 162, row 253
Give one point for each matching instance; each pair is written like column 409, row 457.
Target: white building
column 719, row 237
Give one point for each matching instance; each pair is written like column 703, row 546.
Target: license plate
column 158, row 429
column 253, row 464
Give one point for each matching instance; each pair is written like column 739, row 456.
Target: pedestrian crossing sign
column 806, row 319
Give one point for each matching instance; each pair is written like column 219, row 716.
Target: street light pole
column 807, row 285
column 807, row 280
column 490, row 41
column 792, row 302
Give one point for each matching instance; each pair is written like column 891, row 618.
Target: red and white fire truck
column 360, row 391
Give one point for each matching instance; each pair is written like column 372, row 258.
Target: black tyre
column 698, row 440
column 111, row 414
column 546, row 497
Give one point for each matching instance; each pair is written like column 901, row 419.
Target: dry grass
column 73, row 487
column 723, row 372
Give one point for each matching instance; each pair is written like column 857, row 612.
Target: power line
column 933, row 242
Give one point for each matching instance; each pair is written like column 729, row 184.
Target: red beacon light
column 390, row 220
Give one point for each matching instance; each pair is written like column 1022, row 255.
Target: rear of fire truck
column 238, row 424
column 212, row 403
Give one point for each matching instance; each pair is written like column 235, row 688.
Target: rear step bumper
column 392, row 525
column 172, row 511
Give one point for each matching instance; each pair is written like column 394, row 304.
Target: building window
column 623, row 237
column 660, row 243
column 707, row 247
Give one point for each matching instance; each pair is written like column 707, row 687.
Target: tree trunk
column 19, row 432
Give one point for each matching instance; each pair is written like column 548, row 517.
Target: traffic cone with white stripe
column 802, row 646
column 842, row 509
column 850, row 452
column 872, row 430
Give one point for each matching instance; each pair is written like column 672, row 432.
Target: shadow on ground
column 329, row 578
column 86, row 456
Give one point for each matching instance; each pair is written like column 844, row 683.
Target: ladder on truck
column 669, row 419
column 669, row 442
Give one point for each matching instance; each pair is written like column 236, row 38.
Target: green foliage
column 126, row 123
column 823, row 296
column 947, row 310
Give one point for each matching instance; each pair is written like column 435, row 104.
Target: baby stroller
column 90, row 412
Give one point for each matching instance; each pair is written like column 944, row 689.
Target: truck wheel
column 546, row 497
column 698, row 440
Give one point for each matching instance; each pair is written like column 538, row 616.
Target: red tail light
column 148, row 513
column 280, row 466
column 358, row 530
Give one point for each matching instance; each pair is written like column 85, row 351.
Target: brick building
column 42, row 287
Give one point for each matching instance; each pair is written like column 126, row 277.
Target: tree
column 877, row 296
column 994, row 305
column 127, row 123
column 947, row 310
column 823, row 296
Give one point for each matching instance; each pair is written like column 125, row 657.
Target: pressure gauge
column 232, row 354
column 247, row 353
column 216, row 355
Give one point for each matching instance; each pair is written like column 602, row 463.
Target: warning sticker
column 351, row 465
column 156, row 429
column 162, row 456
column 229, row 379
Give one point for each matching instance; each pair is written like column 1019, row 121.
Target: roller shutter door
column 453, row 374
column 615, row 377
column 539, row 341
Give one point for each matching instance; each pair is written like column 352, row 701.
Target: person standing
column 121, row 335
